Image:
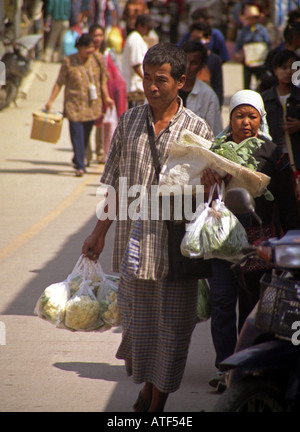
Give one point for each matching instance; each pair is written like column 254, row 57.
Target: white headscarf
column 249, row 97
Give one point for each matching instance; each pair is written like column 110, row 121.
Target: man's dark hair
column 85, row 39
column 95, row 27
column 203, row 27
column 167, row 53
column 200, row 14
column 192, row 46
column 293, row 15
column 291, row 31
column 282, row 57
column 145, row 20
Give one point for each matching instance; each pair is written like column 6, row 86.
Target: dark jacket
column 275, row 118
column 214, row 64
column 282, row 213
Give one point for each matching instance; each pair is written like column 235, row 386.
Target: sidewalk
column 46, row 214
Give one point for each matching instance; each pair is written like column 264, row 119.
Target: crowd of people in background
column 239, row 31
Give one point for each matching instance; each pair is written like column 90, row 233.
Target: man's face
column 199, row 36
column 159, row 86
column 144, row 30
column 252, row 20
column 194, row 60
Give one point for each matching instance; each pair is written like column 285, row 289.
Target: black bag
column 180, row 267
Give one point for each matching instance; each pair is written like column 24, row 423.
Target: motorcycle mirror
column 239, row 201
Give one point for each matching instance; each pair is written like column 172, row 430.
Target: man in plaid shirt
column 158, row 316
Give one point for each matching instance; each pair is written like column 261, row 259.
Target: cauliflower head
column 52, row 303
column 83, row 313
column 109, row 309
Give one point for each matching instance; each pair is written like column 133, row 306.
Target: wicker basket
column 279, row 306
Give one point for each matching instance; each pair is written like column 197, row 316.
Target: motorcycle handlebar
column 249, row 249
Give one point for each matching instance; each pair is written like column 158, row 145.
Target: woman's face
column 98, row 37
column 245, row 121
column 86, row 51
column 284, row 72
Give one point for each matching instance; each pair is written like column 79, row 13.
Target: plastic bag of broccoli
column 203, row 300
column 215, row 232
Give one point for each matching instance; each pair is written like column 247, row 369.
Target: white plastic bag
column 83, row 309
column 107, row 297
column 51, row 305
column 110, row 122
column 85, row 269
column 215, row 232
column 191, row 242
column 78, row 302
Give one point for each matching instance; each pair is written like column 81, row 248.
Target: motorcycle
column 263, row 374
column 16, row 62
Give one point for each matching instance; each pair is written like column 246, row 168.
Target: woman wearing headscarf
column 248, row 119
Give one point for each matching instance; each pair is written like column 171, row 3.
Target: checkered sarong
column 158, row 319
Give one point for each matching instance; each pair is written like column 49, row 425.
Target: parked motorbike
column 17, row 61
column 263, row 375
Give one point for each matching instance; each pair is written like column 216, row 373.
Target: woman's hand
column 210, row 177
column 291, row 125
column 109, row 102
column 48, row 106
column 54, row 93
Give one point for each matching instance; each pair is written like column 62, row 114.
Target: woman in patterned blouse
column 84, row 76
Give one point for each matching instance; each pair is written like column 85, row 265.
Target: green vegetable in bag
column 203, row 300
column 215, row 232
column 240, row 153
column 222, row 234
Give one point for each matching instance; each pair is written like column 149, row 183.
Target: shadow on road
column 103, row 371
column 58, row 269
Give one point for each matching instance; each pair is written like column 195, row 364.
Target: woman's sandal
column 79, row 173
column 140, row 405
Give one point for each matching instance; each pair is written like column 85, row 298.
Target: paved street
column 46, row 213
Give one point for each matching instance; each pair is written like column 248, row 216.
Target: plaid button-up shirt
column 130, row 158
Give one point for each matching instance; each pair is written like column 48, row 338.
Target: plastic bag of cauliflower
column 51, row 305
column 85, row 269
column 107, row 298
column 83, row 309
column 85, row 301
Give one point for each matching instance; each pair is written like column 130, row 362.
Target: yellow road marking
column 37, row 227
